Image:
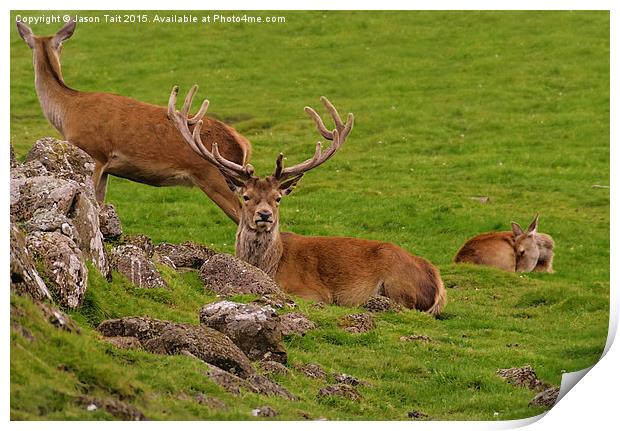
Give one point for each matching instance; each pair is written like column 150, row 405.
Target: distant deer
column 515, row 251
column 128, row 138
column 344, row 271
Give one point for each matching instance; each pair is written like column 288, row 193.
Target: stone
column 141, row 241
column 314, row 371
column 27, row 170
column 523, row 377
column 423, row 338
column 546, row 398
column 62, row 265
column 349, row 380
column 14, row 162
column 133, row 263
column 48, row 220
column 25, row 279
column 378, row 303
column 271, row 368
column 229, row 382
column 340, row 390
column 414, row 414
column 357, row 323
column 226, row 275
column 266, row 386
column 62, row 159
column 185, row 255
column 264, row 412
column 169, row 338
column 109, row 222
column 30, row 194
column 211, row 402
column 255, row 329
column 296, row 324
column 58, row 318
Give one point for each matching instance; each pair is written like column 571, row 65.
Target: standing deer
column 515, row 251
column 128, row 138
column 344, row 271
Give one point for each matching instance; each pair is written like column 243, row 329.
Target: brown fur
column 344, row 271
column 128, row 138
column 515, row 251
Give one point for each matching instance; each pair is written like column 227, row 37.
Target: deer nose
column 264, row 215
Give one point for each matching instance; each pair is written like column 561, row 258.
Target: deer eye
column 278, row 199
column 246, row 198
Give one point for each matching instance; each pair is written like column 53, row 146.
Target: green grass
column 448, row 105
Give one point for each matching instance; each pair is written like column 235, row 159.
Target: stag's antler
column 338, row 136
column 182, row 123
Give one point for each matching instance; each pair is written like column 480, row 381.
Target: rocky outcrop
column 255, row 329
column 169, row 338
column 185, row 255
column 276, row 300
column 546, row 398
column 379, row 303
column 25, row 279
column 271, row 368
column 296, row 323
column 52, row 192
column 134, row 264
column 254, row 383
column 58, row 318
column 314, row 371
column 523, row 377
column 62, row 265
column 264, row 412
column 226, row 275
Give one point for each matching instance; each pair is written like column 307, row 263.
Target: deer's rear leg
column 100, row 181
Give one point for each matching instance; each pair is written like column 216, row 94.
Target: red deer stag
column 345, row 271
column 128, row 138
column 515, row 251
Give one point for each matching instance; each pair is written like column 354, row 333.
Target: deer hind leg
column 100, row 180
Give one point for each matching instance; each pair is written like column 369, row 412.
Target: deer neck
column 261, row 249
column 53, row 94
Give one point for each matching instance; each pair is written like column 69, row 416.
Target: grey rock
column 29, row 194
column 62, row 159
column 314, row 371
column 264, row 412
column 109, row 222
column 25, row 279
column 63, row 266
column 296, row 323
column 133, row 263
column 58, row 318
column 522, row 376
column 227, row 275
column 276, row 300
column 26, row 170
column 273, row 368
column 117, row 408
column 266, row 386
column 349, row 380
column 185, row 255
column 340, row 390
column 546, row 398
column 141, row 241
column 130, row 343
column 255, row 329
column 378, row 303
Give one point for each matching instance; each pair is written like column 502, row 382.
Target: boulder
column 340, row 390
column 296, row 323
column 314, row 371
column 226, row 275
column 62, row 159
column 29, row 194
column 117, row 408
column 254, row 383
column 169, row 338
column 25, row 279
column 268, row 387
column 62, row 265
column 276, row 300
column 58, row 318
column 356, row 323
column 185, row 255
column 271, row 368
column 109, row 222
column 349, row 380
column 130, row 343
column 264, row 412
column 422, row 338
column 141, row 241
column 255, row 329
column 133, row 263
column 26, row 170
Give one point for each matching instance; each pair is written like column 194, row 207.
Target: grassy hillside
column 448, row 105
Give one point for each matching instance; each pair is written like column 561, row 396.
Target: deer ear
column 25, row 33
column 533, row 227
column 287, row 186
column 234, row 185
column 64, row 33
column 516, row 229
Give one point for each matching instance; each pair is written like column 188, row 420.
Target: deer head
column 526, row 246
column 46, row 44
column 260, row 197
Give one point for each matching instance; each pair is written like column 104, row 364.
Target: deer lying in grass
column 128, row 138
column 515, row 251
column 345, row 271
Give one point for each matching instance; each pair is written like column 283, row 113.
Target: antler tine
column 327, row 134
column 193, row 139
column 333, row 112
column 187, row 104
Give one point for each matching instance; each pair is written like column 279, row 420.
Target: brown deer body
column 515, row 251
column 345, row 271
column 128, row 138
